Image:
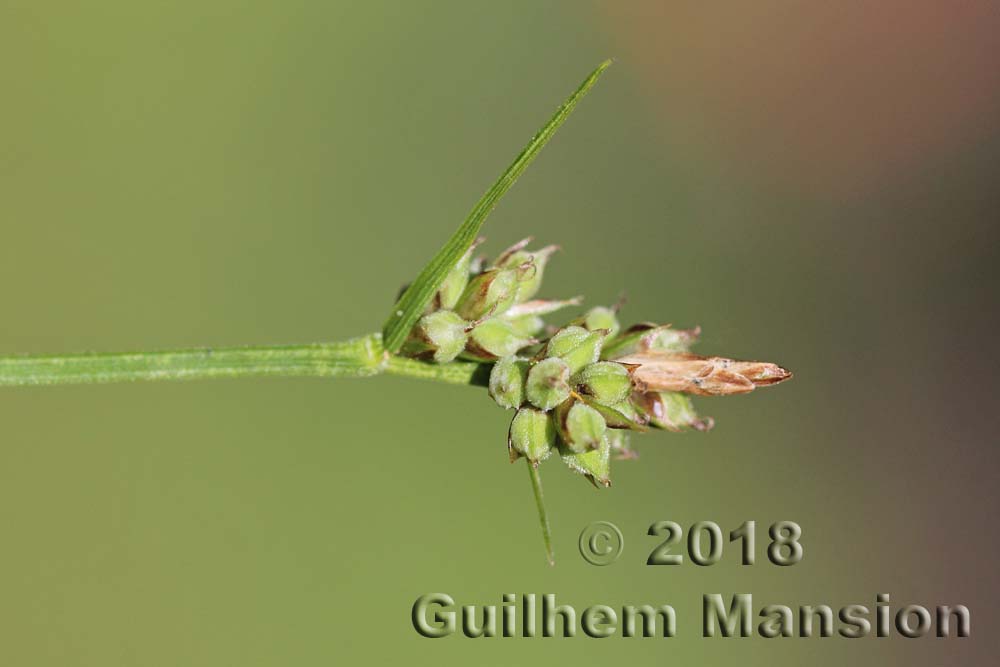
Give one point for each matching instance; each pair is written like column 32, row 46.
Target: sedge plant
column 576, row 391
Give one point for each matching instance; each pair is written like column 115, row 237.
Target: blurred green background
column 813, row 184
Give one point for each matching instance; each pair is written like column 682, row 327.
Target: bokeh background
column 812, row 183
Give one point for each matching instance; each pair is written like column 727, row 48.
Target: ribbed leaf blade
column 416, row 297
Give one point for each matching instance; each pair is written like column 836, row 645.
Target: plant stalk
column 358, row 357
column 543, row 516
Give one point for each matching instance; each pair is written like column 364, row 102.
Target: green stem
column 457, row 372
column 358, row 357
column 543, row 517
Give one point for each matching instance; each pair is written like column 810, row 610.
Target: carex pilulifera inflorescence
column 579, row 389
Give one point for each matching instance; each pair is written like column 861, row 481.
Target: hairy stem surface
column 358, row 357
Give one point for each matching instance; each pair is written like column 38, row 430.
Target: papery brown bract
column 655, row 371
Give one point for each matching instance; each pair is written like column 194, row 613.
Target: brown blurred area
column 839, row 95
column 850, row 151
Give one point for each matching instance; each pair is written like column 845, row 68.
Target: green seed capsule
column 526, row 317
column 580, row 426
column 594, row 464
column 531, row 280
column 672, row 411
column 637, row 421
column 576, row 346
column 532, row 435
column 565, row 340
column 644, row 337
column 620, row 415
column 606, row 381
column 602, row 317
column 453, row 286
column 507, row 380
column 495, row 338
column 548, row 383
column 440, row 335
column 489, row 294
column 528, row 326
